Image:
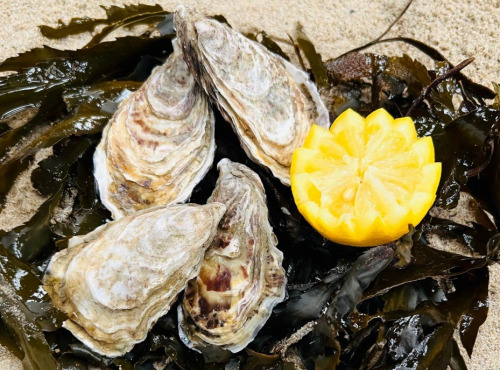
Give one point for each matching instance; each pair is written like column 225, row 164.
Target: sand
column 459, row 28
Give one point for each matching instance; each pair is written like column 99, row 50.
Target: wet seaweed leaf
column 493, row 247
column 9, row 174
column 166, row 26
column 475, row 313
column 496, row 102
column 428, row 262
column 419, row 323
column 52, row 171
column 41, row 74
column 434, row 352
column 317, row 67
column 151, row 20
column 257, row 360
column 89, row 117
column 16, row 284
column 412, row 72
column 114, row 15
column 87, row 211
column 30, row 240
column 9, row 341
column 456, row 360
column 220, row 18
column 305, row 303
column 24, row 280
column 360, row 276
column 403, row 248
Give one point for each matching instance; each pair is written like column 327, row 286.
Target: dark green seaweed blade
column 428, row 262
column 25, row 311
column 456, row 360
column 317, row 67
column 40, row 75
column 19, row 321
column 87, row 212
column 8, row 175
column 88, row 118
column 114, row 15
column 30, row 240
column 321, row 346
column 418, row 320
column 475, row 312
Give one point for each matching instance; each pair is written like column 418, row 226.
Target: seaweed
column 116, row 18
column 26, row 312
column 384, row 307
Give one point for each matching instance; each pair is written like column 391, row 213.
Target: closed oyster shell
column 158, row 145
column 270, row 103
column 115, row 282
column 241, row 278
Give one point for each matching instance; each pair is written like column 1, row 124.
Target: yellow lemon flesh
column 363, row 181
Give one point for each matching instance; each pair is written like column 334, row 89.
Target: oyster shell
column 115, row 282
column 158, row 145
column 241, row 278
column 270, row 103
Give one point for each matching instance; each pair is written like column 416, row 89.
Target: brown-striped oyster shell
column 241, row 278
column 159, row 144
column 270, row 103
column 115, row 282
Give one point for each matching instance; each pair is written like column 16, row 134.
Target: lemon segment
column 348, row 131
column 406, row 128
column 321, row 139
column 362, row 182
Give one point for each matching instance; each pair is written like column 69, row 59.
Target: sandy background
column 458, row 28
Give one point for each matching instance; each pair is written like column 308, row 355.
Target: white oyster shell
column 158, row 145
column 241, row 278
column 115, row 282
column 270, row 103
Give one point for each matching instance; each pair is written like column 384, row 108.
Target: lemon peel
column 363, row 181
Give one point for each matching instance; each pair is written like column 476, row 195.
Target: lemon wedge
column 362, row 182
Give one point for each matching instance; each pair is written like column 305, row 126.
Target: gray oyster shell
column 158, row 145
column 115, row 282
column 241, row 278
column 270, row 103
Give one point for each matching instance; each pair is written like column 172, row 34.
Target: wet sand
column 458, row 28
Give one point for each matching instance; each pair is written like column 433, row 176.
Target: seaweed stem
column 296, row 49
column 437, row 81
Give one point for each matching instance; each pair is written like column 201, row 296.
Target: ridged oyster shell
column 241, row 278
column 159, row 144
column 115, row 282
column 270, row 103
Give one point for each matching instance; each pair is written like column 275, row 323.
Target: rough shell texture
column 241, row 278
column 115, row 282
column 270, row 103
column 158, row 145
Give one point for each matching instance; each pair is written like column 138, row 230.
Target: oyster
column 241, row 278
column 115, row 282
column 158, row 145
column 270, row 103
